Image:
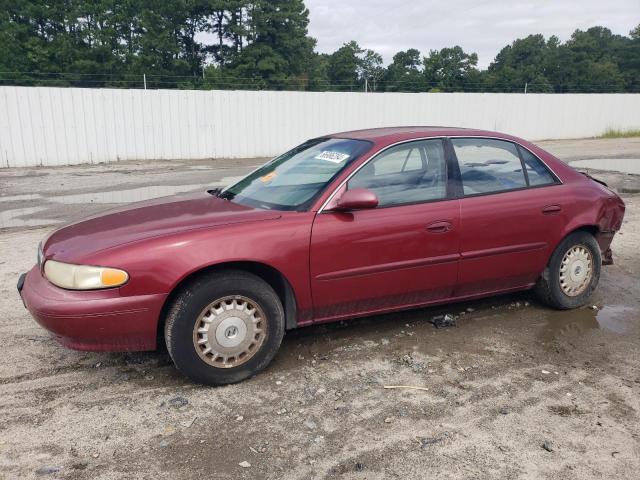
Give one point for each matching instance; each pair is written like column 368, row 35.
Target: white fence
column 61, row 126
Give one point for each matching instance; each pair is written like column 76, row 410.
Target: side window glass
column 413, row 161
column 397, row 161
column 409, row 173
column 488, row 165
column 537, row 172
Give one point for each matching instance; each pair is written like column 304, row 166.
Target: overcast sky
column 481, row 26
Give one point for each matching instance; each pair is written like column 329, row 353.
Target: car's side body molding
column 354, row 272
column 488, row 252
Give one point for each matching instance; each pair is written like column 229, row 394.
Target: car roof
column 387, row 135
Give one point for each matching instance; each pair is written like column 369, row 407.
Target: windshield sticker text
column 334, row 157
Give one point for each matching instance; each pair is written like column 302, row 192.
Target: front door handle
column 441, row 226
column 551, row 209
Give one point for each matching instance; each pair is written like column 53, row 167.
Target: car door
column 511, row 215
column 402, row 253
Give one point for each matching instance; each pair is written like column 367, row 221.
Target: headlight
column 83, row 277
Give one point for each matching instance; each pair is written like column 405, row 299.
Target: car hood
column 142, row 220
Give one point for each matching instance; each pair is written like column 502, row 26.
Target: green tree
column 588, row 62
column 159, row 51
column 342, row 69
column 229, row 22
column 404, row 74
column 370, row 69
column 629, row 61
column 318, row 76
column 265, row 44
column 20, row 44
column 524, row 62
column 451, row 69
column 194, row 22
column 280, row 51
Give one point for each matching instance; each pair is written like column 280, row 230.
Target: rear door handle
column 441, row 226
column 551, row 209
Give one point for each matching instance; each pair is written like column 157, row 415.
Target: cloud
column 477, row 26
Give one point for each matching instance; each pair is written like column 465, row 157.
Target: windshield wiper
column 218, row 192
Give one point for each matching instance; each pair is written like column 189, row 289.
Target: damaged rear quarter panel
column 594, row 205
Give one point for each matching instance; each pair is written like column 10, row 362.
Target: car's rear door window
column 488, row 165
column 537, row 172
column 412, row 172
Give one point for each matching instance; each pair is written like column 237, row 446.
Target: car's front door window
column 412, row 172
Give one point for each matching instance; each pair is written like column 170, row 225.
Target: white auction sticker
column 335, row 157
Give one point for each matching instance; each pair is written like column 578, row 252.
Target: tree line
column 235, row 44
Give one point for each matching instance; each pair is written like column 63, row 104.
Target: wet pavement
column 515, row 390
column 52, row 196
column 622, row 165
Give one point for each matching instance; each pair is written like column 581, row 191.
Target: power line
column 255, row 79
column 239, row 80
column 323, row 88
column 159, row 80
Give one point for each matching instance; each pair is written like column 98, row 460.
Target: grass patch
column 614, row 133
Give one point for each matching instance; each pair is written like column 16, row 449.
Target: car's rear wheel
column 573, row 272
column 224, row 327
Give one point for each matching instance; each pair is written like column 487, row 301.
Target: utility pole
column 144, row 79
column 365, row 84
column 525, row 86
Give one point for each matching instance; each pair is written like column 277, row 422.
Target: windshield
column 294, row 180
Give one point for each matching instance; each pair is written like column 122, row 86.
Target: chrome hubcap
column 576, row 270
column 229, row 331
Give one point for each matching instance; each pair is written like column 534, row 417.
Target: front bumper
column 98, row 320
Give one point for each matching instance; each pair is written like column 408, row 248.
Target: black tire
column 192, row 301
column 548, row 288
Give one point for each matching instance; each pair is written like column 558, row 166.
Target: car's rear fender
column 601, row 215
column 603, row 212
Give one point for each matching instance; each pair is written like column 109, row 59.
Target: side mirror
column 357, row 199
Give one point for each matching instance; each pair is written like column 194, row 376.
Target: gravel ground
column 514, row 391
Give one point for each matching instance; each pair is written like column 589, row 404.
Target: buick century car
column 342, row 226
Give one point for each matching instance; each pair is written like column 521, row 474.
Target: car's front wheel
column 573, row 272
column 224, row 327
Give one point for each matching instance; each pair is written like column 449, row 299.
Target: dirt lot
column 511, row 377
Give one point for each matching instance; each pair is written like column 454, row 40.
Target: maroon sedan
column 341, row 226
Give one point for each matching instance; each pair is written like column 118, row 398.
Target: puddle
column 615, row 318
column 410, row 331
column 14, row 198
column 623, row 165
column 52, row 211
column 611, row 318
column 126, row 196
column 138, row 194
column 15, row 218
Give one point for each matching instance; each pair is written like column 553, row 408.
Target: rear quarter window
column 537, row 171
